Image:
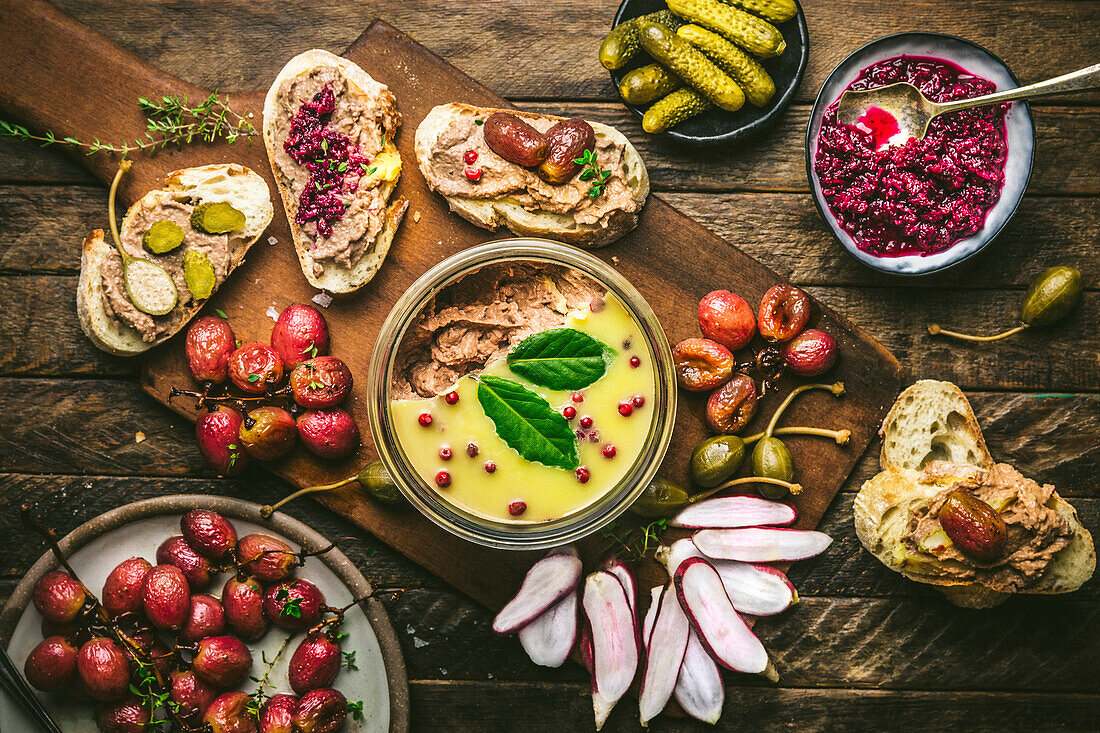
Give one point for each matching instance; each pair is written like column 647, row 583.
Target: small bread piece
column 235, row 184
column 505, row 211
column 933, row 420
column 334, row 277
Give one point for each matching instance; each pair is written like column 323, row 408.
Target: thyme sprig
column 635, row 543
column 592, row 172
column 170, row 120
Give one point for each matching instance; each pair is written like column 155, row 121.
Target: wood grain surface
column 866, row 650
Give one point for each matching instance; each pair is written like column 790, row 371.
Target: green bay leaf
column 527, row 423
column 560, row 358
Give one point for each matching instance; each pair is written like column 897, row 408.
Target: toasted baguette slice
column 497, row 213
column 934, row 421
column 333, row 278
column 235, row 184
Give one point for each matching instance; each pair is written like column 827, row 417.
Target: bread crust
column 107, row 333
column 495, row 214
column 885, row 502
column 334, row 278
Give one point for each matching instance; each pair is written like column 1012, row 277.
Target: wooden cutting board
column 61, row 76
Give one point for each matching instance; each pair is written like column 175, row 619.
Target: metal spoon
column 913, row 111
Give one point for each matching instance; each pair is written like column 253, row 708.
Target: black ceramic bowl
column 717, row 126
column 1019, row 129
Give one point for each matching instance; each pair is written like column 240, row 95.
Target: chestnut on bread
column 911, row 518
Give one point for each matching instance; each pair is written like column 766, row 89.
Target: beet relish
column 923, row 196
column 334, row 164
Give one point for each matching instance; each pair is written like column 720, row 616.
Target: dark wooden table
column 864, row 649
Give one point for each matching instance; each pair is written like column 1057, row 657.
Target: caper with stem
column 717, row 458
column 374, row 478
column 148, row 285
column 771, row 457
column 1049, row 299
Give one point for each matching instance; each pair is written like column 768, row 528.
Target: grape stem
column 935, row 330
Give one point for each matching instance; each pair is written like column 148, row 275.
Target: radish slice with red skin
column 699, row 688
column 753, row 588
column 724, row 633
column 549, row 638
column 622, row 571
column 760, row 544
column 547, row 582
column 614, row 641
column 740, row 510
column 655, row 599
column 584, row 647
column 664, row 655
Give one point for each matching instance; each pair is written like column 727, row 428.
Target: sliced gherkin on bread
column 228, row 184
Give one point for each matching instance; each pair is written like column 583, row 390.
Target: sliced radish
column 760, row 544
column 614, row 641
column 725, row 634
column 647, row 625
column 584, row 646
column 753, row 588
column 664, row 654
column 547, row 582
column 622, row 571
column 549, row 638
column 699, row 688
column 741, row 510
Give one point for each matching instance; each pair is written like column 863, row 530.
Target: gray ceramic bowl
column 1020, row 130
column 95, row 547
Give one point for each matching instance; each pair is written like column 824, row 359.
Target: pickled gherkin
column 682, row 59
column 621, row 44
column 774, row 11
column 198, row 273
column 747, row 31
column 674, row 109
column 744, row 69
column 163, row 236
column 647, row 84
column 216, row 217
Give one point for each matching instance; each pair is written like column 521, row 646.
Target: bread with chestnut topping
column 932, row 447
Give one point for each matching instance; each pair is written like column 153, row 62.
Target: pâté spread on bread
column 174, row 249
column 581, row 182
column 1033, row 532
column 329, row 129
column 523, row 392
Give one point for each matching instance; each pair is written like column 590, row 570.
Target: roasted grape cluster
column 158, row 652
column 284, row 392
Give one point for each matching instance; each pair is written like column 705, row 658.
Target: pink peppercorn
column 490, row 467
column 445, row 453
column 637, row 400
column 451, row 398
column 625, row 409
column 425, row 419
column 470, row 156
column 635, row 362
column 474, row 174
column 569, row 412
column 583, row 475
column 609, row 451
column 443, row 479
column 586, row 422
column 516, row 508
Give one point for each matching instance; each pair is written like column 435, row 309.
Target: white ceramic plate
column 138, row 529
column 1019, row 129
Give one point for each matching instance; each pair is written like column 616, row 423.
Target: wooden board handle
column 59, row 75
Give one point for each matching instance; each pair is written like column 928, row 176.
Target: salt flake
column 272, row 313
column 322, row 299
column 418, row 642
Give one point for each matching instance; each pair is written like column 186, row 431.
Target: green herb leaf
column 527, row 423
column 253, row 378
column 221, row 313
column 479, row 122
column 561, row 358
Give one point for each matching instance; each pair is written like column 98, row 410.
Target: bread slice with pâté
column 236, row 185
column 366, row 112
column 932, row 421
